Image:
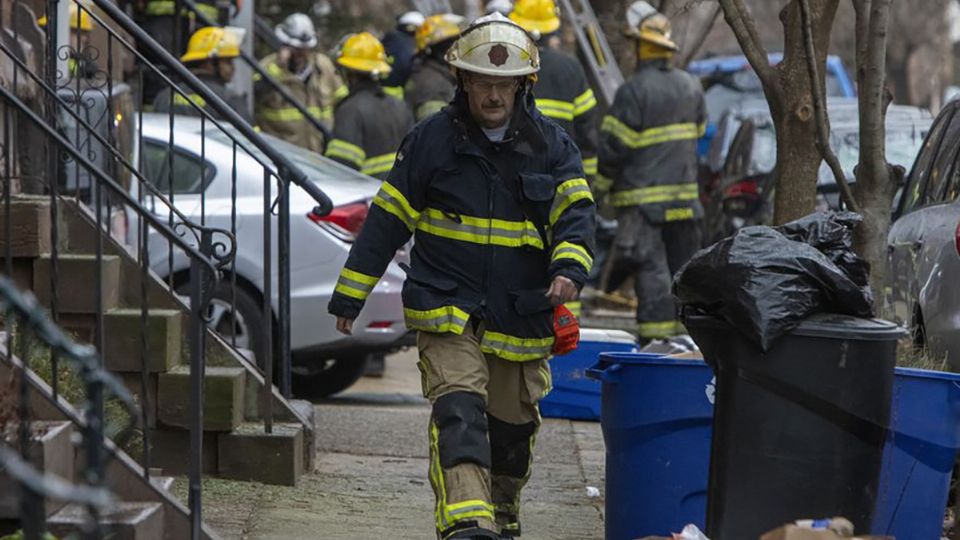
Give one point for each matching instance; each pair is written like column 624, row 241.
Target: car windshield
column 902, row 145
column 314, row 165
column 729, row 89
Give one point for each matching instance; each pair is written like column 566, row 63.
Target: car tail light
column 344, row 222
column 744, row 188
column 380, row 325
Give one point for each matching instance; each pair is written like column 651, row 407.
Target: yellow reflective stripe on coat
column 394, row 91
column 569, row 192
column 497, row 232
column 515, row 348
column 657, row 329
column 429, row 107
column 292, row 114
column 188, row 100
column 569, row 250
column 655, row 194
column 392, row 201
column 584, row 102
column 339, row 148
column 590, row 166
column 355, row 284
column 159, row 8
column 441, row 320
column 378, row 164
column 651, row 136
column 341, row 92
column 554, row 108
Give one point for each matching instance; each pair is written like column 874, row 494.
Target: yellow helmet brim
column 545, row 26
column 376, row 67
column 658, row 40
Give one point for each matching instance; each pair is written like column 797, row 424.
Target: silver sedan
column 923, row 244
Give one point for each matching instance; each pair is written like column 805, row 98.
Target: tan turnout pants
column 482, row 430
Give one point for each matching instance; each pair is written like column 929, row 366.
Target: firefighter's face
column 491, row 98
column 225, row 69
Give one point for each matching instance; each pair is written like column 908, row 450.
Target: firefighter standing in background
column 309, row 76
column 369, row 123
column 562, row 91
column 400, row 45
column 159, row 19
column 210, row 56
column 648, row 147
column 432, row 86
column 477, row 184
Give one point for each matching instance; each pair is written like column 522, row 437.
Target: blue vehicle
column 727, row 80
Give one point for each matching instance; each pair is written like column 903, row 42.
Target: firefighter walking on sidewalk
column 370, row 124
column 479, row 185
column 648, row 147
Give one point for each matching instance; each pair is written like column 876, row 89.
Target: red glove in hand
column 566, row 331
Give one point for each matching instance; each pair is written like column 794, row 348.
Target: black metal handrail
column 205, row 258
column 274, row 85
column 224, row 253
column 91, row 131
column 286, row 169
column 21, row 307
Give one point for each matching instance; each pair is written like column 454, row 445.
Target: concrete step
column 30, row 226
column 249, row 453
column 77, row 275
column 170, row 451
column 124, row 521
column 162, row 482
column 123, row 332
column 51, row 452
column 223, row 398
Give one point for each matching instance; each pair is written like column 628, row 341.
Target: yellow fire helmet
column 495, row 45
column 214, row 42
column 86, row 23
column 438, row 28
column 363, row 52
column 648, row 25
column 536, row 16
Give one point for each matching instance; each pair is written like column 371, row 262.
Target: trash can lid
column 838, row 326
column 647, row 358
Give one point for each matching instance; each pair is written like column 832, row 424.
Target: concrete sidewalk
column 370, row 481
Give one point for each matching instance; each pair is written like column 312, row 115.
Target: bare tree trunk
column 876, row 180
column 787, row 90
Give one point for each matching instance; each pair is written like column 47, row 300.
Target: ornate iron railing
column 92, row 134
column 25, row 318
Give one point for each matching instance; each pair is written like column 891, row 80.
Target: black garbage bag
column 832, row 234
column 765, row 281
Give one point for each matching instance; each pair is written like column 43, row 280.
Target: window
column 943, row 166
column 918, row 176
column 189, row 175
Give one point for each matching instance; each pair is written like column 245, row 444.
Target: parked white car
column 324, row 361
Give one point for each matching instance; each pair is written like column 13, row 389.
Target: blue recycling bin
column 657, row 417
column 919, row 454
column 574, row 395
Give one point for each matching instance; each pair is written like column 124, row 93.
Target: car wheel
column 238, row 323
column 317, row 379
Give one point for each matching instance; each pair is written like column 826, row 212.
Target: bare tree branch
column 701, row 38
column 819, row 109
column 745, row 30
